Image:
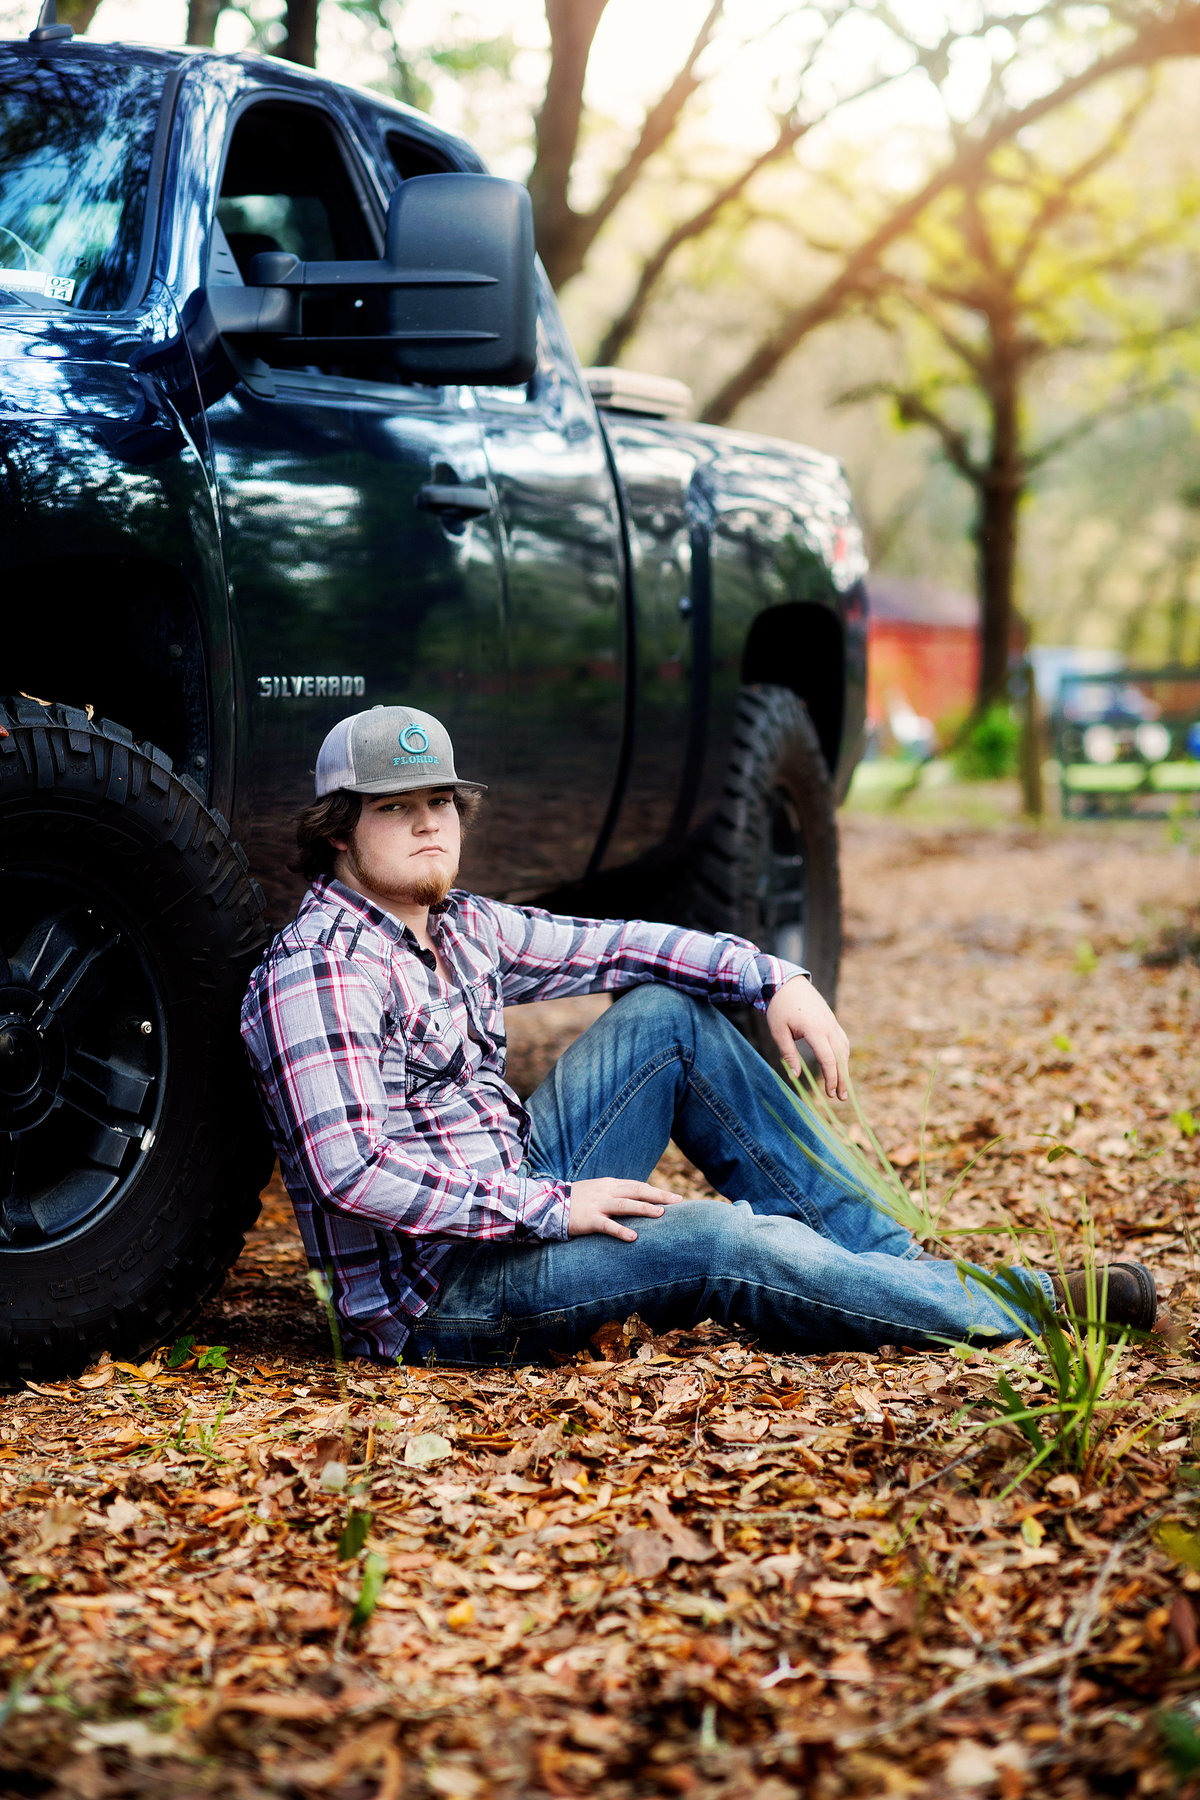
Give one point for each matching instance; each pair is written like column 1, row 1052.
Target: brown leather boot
column 1130, row 1297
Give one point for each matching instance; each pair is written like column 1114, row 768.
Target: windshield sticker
column 32, row 281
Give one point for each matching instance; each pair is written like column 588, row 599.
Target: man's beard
column 431, row 890
column 428, row 889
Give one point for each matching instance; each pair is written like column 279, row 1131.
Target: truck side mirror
column 467, row 308
column 457, row 277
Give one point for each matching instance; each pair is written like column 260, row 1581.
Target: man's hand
column 798, row 1011
column 597, row 1205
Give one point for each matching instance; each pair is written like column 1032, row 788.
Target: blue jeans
column 800, row 1259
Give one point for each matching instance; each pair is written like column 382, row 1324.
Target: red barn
column 923, row 648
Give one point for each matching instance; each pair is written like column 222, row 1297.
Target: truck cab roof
column 266, row 71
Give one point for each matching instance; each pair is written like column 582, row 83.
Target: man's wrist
column 550, row 1205
column 776, row 977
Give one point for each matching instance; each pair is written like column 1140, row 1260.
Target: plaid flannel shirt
column 396, row 1132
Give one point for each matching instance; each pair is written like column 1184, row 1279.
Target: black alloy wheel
column 131, row 1148
column 82, row 1057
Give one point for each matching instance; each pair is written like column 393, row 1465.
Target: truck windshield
column 75, row 144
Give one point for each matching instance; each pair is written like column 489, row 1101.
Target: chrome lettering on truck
column 311, row 687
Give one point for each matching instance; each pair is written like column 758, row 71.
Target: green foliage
column 211, row 1356
column 1038, row 305
column 869, row 1164
column 1181, row 1742
column 989, row 750
column 1180, row 1543
column 204, row 1435
column 374, row 1575
column 411, row 75
column 1078, row 1358
column 1086, row 960
column 1017, row 1413
column 322, row 1288
column 1077, row 1354
column 354, row 1535
column 1186, row 1123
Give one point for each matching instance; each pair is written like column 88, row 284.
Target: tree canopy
column 1036, row 259
column 899, row 153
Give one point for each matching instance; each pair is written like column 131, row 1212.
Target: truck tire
column 131, row 1148
column 767, row 866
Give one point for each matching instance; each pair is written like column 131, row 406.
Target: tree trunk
column 1000, row 489
column 202, row 16
column 573, row 25
column 300, row 32
column 1033, row 748
column 78, row 14
column 995, row 537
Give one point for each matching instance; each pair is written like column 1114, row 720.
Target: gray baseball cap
column 388, row 750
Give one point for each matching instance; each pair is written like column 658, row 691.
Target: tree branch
column 1056, row 202
column 1157, row 39
column 1066, row 1655
column 657, row 127
column 915, row 409
column 630, row 317
column 792, row 129
column 564, row 236
column 1129, row 402
column 573, row 25
column 917, row 296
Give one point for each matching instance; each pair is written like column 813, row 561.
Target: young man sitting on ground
column 455, row 1222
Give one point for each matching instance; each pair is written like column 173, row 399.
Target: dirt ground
column 679, row 1566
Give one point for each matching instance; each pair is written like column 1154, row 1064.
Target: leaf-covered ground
column 679, row 1566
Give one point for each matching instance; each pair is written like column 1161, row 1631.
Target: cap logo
column 415, row 744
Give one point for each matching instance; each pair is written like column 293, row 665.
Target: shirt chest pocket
column 433, row 1046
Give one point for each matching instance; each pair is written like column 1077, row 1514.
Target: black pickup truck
column 290, row 426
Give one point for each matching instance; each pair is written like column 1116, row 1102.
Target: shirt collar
column 327, row 890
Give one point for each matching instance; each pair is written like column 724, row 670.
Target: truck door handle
column 468, row 502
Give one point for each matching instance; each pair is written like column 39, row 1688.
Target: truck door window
column 286, row 186
column 409, row 157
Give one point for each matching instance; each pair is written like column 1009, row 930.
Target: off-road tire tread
column 772, row 729
column 43, row 736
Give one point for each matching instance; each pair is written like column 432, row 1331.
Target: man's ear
column 339, row 843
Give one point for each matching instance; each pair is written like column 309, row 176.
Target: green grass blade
column 1018, row 1414
column 374, row 1575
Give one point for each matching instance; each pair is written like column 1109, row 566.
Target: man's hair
column 336, row 815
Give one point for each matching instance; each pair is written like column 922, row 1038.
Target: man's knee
column 711, row 1235
column 652, row 1004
